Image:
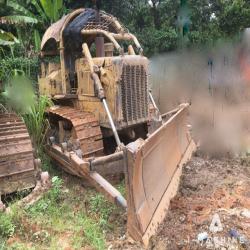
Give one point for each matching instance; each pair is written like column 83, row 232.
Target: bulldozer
column 18, row 166
column 105, row 123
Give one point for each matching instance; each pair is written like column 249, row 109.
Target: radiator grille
column 134, row 93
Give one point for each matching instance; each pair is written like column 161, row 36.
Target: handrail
column 113, row 36
column 128, row 36
column 105, row 33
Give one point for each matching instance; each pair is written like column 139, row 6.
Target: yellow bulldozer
column 105, row 122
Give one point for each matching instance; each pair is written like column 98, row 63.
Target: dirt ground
column 208, row 187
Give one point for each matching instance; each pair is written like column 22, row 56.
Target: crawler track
column 85, row 130
column 17, row 166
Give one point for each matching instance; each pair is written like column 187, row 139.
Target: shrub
column 26, row 66
column 49, row 203
column 36, row 122
column 7, row 228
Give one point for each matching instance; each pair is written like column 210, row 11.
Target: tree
column 38, row 13
column 159, row 24
column 234, row 16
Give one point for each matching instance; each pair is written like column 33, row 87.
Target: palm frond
column 19, row 8
column 37, row 40
column 58, row 4
column 48, row 8
column 5, row 43
column 39, row 9
column 18, row 19
column 7, row 38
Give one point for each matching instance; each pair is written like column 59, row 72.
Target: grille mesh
column 106, row 23
column 134, row 91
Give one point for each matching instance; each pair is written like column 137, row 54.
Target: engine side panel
column 125, row 81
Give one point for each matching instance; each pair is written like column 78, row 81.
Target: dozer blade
column 154, row 168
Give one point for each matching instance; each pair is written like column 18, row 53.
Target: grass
column 67, row 216
column 2, row 244
column 56, row 211
column 19, row 246
column 7, row 227
column 49, row 203
column 88, row 231
column 35, row 121
column 101, row 208
column 103, row 211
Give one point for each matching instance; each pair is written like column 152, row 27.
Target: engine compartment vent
column 134, row 94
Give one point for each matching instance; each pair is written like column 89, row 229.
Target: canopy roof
column 72, row 24
column 52, row 34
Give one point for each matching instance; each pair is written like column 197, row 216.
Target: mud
column 209, row 187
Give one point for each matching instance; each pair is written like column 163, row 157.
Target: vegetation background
column 161, row 25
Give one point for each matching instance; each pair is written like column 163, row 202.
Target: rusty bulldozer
column 18, row 166
column 105, row 123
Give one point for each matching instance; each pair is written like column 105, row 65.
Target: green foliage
column 235, row 16
column 160, row 40
column 102, row 209
column 19, row 94
column 56, row 190
column 7, row 38
column 35, row 121
column 46, row 163
column 22, row 16
column 14, row 17
column 67, row 215
column 2, row 244
column 52, row 8
column 7, row 228
column 19, row 246
column 18, row 19
column 18, row 8
column 37, row 40
column 93, row 234
column 49, row 203
column 160, row 27
column 37, row 11
column 53, row 210
column 122, row 188
column 9, row 65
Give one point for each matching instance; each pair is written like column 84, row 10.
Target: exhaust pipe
column 99, row 40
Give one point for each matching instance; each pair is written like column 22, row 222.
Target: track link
column 17, row 167
column 85, row 129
